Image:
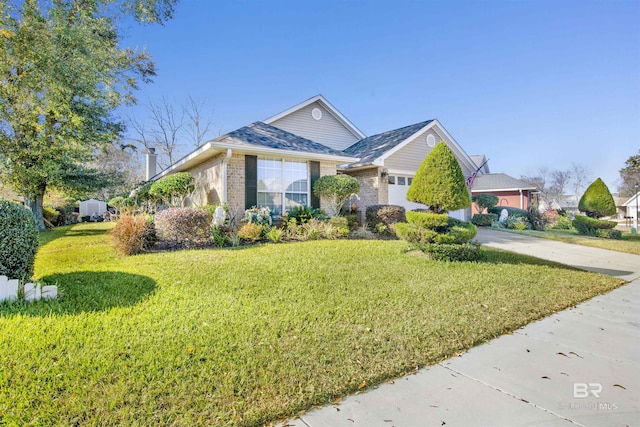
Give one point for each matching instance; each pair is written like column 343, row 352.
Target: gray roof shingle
column 372, row 147
column 260, row 133
column 499, row 181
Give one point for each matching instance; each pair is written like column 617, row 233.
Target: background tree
column 630, row 176
column 63, row 75
column 554, row 184
column 439, row 182
column 597, row 200
column 336, row 189
column 580, row 178
column 172, row 128
column 122, row 169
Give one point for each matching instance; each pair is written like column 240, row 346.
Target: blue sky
column 528, row 83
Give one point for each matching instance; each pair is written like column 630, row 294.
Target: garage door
column 398, row 186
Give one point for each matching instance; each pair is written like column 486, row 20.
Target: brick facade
column 235, row 185
column 208, row 182
column 374, row 189
column 508, row 199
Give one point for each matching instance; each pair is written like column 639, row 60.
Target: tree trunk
column 34, row 202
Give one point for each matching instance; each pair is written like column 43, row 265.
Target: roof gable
column 316, row 119
column 372, row 148
column 378, row 149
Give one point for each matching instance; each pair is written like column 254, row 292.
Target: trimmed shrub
column 452, row 252
column 134, row 234
column 185, row 227
column 590, row 226
column 609, row 234
column 484, row 220
column 386, row 214
column 484, row 201
column 521, row 213
column 18, row 240
column 439, row 182
column 414, row 234
column 429, row 220
column 173, row 189
column 457, row 234
column 337, row 189
column 597, row 200
column 250, row 232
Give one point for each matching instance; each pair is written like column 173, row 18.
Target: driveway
column 578, row 367
column 617, row 264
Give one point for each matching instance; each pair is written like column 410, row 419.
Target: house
column 631, row 206
column 275, row 162
column 510, row 191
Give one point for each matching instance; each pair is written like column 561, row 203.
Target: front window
column 282, row 184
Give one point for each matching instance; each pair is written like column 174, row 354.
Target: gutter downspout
column 521, row 199
column 224, row 175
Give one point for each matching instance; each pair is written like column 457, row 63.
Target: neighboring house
column 275, row 162
column 510, row 191
column 631, row 206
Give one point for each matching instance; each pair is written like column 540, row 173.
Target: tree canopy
column 630, row 176
column 439, row 182
column 62, row 75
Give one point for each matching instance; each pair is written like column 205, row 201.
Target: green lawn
column 251, row 335
column 630, row 243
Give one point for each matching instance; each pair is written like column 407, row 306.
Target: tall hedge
column 18, row 240
column 597, row 200
column 439, row 182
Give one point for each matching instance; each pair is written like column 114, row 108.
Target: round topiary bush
column 597, row 200
column 18, row 240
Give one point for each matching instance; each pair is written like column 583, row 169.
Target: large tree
column 62, row 75
column 630, row 176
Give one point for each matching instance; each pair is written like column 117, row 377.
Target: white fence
column 32, row 291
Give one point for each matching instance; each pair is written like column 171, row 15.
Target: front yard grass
column 251, row 335
column 630, row 243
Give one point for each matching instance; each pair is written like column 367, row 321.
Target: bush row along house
column 275, row 162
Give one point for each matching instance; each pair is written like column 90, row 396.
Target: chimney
column 151, row 160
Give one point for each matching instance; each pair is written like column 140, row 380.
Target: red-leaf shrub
column 385, row 214
column 185, row 227
column 134, row 234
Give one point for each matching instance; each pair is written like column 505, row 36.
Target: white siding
column 328, row 130
column 411, row 155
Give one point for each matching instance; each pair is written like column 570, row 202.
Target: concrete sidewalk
column 580, row 366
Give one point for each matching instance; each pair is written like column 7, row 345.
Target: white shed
column 92, row 207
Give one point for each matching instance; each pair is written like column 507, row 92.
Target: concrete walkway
column 578, row 367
